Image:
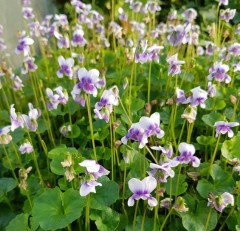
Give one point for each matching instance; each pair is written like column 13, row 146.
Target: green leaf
column 223, row 182
column 105, row 220
column 7, row 185
column 206, row 140
column 196, row 220
column 211, row 118
column 215, row 104
column 53, row 209
column 105, row 195
column 230, row 148
column 6, row 215
column 56, row 166
column 20, row 223
column 137, row 104
column 61, row 150
column 171, row 185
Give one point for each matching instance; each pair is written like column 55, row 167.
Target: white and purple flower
column 223, row 127
column 186, row 156
column 219, row 73
column 221, row 201
column 65, row 67
column 26, row 147
column 23, row 46
column 93, row 172
column 174, row 65
column 142, row 190
column 199, row 96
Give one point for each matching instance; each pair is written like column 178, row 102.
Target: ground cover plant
column 121, row 121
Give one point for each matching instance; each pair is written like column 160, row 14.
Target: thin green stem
column 135, row 216
column 213, row 156
column 149, row 81
column 208, row 219
column 165, row 220
column 229, row 215
column 87, row 98
column 143, row 219
column 87, row 220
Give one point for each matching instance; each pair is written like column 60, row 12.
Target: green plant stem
column 179, row 172
column 213, row 156
column 87, row 98
column 124, row 187
column 156, row 208
column 229, row 215
column 112, row 149
column 10, row 164
column 208, row 219
column 135, row 216
column 149, row 81
column 87, row 219
column 130, row 88
column 129, row 120
column 165, row 220
column 34, row 157
column 143, row 219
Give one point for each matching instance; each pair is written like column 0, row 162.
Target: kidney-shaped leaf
column 55, row 210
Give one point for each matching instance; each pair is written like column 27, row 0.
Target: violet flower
column 28, row 13
column 163, row 170
column 175, row 65
column 142, row 190
column 146, row 127
column 5, row 138
column 16, row 119
column 23, row 46
column 78, row 39
column 212, row 91
column 65, row 67
column 26, row 147
column 180, row 96
column 219, row 73
column 93, row 172
column 177, row 34
column 221, row 201
column 89, row 83
column 223, row 127
column 28, row 65
column 190, row 14
column 187, row 155
column 30, row 120
column 104, row 107
column 198, row 97
column 234, row 49
column 223, row 2
column 227, row 14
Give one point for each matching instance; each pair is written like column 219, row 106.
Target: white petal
column 152, row 202
column 131, row 201
column 82, row 72
column 186, row 147
column 86, row 189
column 91, row 165
column 70, row 62
column 150, row 183
column 94, row 74
column 155, row 118
column 61, row 60
column 135, row 185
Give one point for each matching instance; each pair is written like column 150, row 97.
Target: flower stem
column 90, row 125
column 208, row 218
column 149, row 81
column 87, row 220
column 213, row 156
column 135, row 216
column 165, row 220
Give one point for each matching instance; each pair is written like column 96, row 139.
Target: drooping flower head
column 142, row 190
column 5, row 138
column 174, row 65
column 16, row 119
column 186, row 156
column 234, row 49
column 227, row 14
column 26, row 147
column 93, row 172
column 223, row 127
column 221, row 201
column 28, row 65
column 190, row 14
